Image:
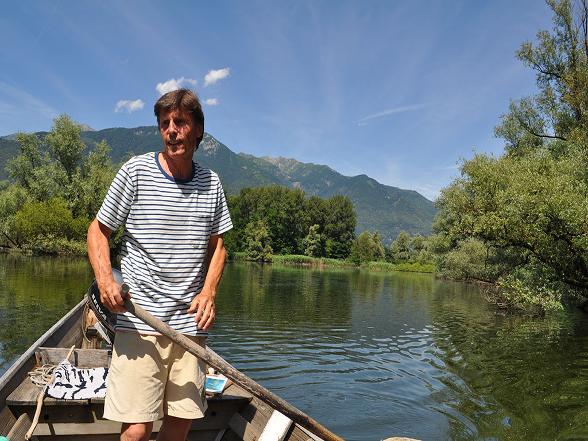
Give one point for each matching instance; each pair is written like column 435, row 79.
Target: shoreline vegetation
column 324, row 262
column 514, row 223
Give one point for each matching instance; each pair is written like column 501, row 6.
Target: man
column 173, row 255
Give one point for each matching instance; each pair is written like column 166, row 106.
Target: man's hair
column 181, row 99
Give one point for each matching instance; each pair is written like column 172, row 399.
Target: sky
column 400, row 90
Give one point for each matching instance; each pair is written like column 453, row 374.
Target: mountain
column 386, row 209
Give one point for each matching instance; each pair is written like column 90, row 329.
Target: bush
column 57, row 246
column 531, row 288
column 471, row 259
column 50, row 219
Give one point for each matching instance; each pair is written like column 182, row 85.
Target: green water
column 370, row 355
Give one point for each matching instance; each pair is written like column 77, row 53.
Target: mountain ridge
column 380, row 207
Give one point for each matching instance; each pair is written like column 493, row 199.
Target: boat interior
column 232, row 415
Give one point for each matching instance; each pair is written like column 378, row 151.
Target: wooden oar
column 221, row 365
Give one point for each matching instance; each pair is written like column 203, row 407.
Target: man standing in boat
column 173, row 255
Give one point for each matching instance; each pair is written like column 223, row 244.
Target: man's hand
column 99, row 254
column 111, row 296
column 203, row 309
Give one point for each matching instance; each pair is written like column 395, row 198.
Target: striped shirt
column 168, row 223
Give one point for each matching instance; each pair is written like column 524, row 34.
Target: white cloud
column 215, row 75
column 401, row 109
column 211, row 102
column 173, row 84
column 129, row 106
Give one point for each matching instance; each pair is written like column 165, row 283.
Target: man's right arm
column 99, row 254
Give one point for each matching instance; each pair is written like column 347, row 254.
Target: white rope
column 42, row 377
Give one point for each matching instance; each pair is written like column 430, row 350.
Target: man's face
column 179, row 134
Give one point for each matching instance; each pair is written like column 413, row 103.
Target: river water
column 370, row 355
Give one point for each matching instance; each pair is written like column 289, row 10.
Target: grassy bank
column 405, row 266
column 323, row 262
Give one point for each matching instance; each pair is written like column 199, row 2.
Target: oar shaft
column 242, row 380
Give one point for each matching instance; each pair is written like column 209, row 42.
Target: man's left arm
column 203, row 304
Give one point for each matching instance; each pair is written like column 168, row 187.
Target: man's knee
column 136, row 431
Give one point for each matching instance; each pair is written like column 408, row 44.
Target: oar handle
column 212, row 359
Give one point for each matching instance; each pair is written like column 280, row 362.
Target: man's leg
column 184, row 395
column 136, row 431
column 135, row 385
column 174, row 429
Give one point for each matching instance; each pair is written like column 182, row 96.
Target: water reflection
column 370, row 355
column 34, row 293
column 521, row 378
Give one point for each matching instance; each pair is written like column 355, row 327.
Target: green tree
column 21, row 168
column 339, row 229
column 258, row 242
column 65, row 144
column 315, row 209
column 96, row 174
column 528, row 206
column 313, row 242
column 558, row 112
column 367, row 247
column 400, row 248
column 58, row 191
column 11, row 201
column 280, row 208
column 288, row 215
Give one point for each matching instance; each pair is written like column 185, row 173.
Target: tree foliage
column 520, row 219
column 289, row 215
column 313, row 242
column 65, row 144
column 56, row 190
column 339, row 229
column 410, row 249
column 367, row 247
column 258, row 242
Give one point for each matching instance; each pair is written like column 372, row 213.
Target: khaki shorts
column 150, row 376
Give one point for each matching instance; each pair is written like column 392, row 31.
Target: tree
column 367, row 247
column 339, row 230
column 93, row 181
column 280, row 208
column 400, row 248
column 527, row 208
column 258, row 242
column 11, row 201
column 65, row 144
column 288, row 215
column 22, row 167
column 313, row 242
column 559, row 111
column 57, row 190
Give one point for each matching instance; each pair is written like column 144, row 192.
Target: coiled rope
column 42, row 377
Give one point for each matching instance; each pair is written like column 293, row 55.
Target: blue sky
column 398, row 90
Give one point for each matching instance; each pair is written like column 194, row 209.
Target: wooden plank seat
column 73, row 417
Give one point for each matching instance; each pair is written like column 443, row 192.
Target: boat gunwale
column 15, row 371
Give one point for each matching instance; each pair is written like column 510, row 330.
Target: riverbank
column 56, row 247
column 323, row 262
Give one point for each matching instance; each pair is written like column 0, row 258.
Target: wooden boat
column 234, row 415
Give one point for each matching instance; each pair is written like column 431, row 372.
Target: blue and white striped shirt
column 168, row 223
